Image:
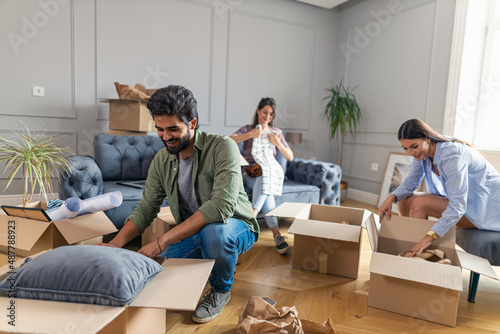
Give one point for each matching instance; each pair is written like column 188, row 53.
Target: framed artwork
column 397, row 169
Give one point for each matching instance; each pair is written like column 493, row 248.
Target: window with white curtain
column 474, row 108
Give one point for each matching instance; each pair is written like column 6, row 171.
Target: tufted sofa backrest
column 125, row 157
column 324, row 175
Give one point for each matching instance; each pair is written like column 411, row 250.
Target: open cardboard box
column 321, row 242
column 129, row 115
column 178, row 287
column 160, row 225
column 33, row 236
column 416, row 288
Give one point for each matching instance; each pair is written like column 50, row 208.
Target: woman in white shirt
column 263, row 124
column 464, row 188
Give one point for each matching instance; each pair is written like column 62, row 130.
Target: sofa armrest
column 83, row 181
column 324, row 175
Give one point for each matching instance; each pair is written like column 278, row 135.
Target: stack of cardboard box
column 128, row 115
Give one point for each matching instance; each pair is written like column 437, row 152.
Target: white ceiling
column 324, row 3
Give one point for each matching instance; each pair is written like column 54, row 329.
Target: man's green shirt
column 217, row 181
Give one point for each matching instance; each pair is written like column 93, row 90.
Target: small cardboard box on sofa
column 417, row 288
column 322, row 242
column 31, row 236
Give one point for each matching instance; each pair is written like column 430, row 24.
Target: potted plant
column 37, row 157
column 343, row 114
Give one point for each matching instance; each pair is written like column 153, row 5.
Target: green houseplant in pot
column 37, row 157
column 343, row 114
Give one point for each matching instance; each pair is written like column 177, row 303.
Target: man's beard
column 183, row 143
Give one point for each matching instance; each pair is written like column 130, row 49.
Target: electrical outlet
column 374, row 166
column 38, row 91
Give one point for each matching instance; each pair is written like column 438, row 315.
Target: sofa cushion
column 298, row 192
column 84, row 274
column 125, row 157
column 485, row 244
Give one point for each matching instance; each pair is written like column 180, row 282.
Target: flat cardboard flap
column 327, row 230
column 291, row 210
column 178, row 287
column 27, row 231
column 476, row 264
column 85, row 227
column 40, row 316
column 420, row 271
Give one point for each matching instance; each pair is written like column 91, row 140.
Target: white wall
column 397, row 53
column 230, row 53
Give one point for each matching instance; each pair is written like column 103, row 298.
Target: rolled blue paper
column 70, row 208
column 102, row 202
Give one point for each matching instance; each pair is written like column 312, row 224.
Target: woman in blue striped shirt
column 464, row 188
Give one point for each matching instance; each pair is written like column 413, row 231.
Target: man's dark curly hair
column 174, row 101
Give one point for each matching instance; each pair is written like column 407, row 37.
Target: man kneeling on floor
column 199, row 173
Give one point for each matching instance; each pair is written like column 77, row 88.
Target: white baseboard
column 362, row 196
column 18, row 199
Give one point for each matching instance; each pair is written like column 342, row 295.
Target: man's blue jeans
column 219, row 241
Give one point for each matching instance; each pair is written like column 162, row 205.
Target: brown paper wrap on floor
column 260, row 317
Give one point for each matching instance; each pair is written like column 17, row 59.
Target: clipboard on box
column 28, row 213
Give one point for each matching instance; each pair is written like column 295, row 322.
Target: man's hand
column 151, row 250
column 386, row 207
column 422, row 245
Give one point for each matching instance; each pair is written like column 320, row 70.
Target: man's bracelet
column 158, row 242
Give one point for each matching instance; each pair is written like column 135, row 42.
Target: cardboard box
column 321, row 242
column 129, row 115
column 126, row 133
column 178, row 287
column 160, row 225
column 32, row 236
column 416, row 288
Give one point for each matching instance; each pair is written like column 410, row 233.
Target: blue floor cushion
column 83, row 274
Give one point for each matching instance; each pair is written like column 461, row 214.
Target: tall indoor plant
column 37, row 157
column 343, row 114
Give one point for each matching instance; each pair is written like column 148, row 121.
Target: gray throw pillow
column 83, row 274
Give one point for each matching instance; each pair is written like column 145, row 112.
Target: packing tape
column 323, row 263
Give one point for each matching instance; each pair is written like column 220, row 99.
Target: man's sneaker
column 211, row 306
column 281, row 245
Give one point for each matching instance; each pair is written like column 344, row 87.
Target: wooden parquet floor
column 263, row 272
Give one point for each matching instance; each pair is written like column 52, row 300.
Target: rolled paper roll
column 70, row 208
column 102, row 202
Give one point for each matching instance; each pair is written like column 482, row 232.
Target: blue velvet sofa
column 127, row 158
column 307, row 181
column 117, row 159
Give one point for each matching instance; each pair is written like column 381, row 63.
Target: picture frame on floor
column 396, row 171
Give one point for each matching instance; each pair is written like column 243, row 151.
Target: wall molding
column 362, row 178
column 98, row 104
column 311, row 28
column 73, row 115
column 362, row 196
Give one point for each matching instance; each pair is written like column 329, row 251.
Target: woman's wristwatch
column 432, row 234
